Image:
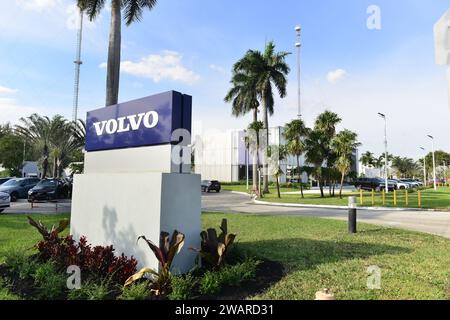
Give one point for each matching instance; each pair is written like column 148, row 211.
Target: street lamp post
column 434, row 162
column 385, row 152
column 424, row 168
column 298, row 45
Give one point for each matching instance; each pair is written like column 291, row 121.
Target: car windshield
column 12, row 183
column 47, row 183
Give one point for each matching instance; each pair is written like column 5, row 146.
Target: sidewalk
column 24, row 207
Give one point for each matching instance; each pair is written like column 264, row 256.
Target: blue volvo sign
column 143, row 122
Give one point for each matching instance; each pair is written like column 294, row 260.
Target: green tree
column 295, row 132
column 315, row 154
column 326, row 123
column 243, row 96
column 11, row 153
column 132, row 12
column 256, row 127
column 266, row 69
column 343, row 145
column 280, row 153
column 367, row 159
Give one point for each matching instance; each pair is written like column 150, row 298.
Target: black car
column 376, row 184
column 3, row 180
column 210, row 185
column 48, row 189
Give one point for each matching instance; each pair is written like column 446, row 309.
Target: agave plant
column 44, row 231
column 165, row 253
column 213, row 247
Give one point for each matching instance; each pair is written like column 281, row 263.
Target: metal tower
column 298, row 45
column 78, row 63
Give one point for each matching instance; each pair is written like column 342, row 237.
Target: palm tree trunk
column 45, row 162
column 278, row 187
column 55, row 167
column 266, row 137
column 255, row 159
column 113, row 68
column 299, row 180
column 342, row 183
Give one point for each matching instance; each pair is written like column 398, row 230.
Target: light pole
column 434, row 163
column 298, row 45
column 385, row 152
column 424, row 168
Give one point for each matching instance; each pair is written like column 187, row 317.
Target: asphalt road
column 433, row 222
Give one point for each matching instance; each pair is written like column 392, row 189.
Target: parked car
column 3, row 180
column 48, row 189
column 5, row 201
column 376, row 184
column 209, row 185
column 17, row 188
column 399, row 184
column 412, row 183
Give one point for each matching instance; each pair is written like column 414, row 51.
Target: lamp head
column 298, row 28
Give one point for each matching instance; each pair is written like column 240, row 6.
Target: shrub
column 21, row 264
column 182, row 287
column 90, row 291
column 98, row 262
column 50, row 283
column 136, row 291
column 238, row 273
column 210, row 283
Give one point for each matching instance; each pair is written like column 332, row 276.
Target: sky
column 190, row 46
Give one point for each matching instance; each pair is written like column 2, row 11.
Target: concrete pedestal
column 116, row 208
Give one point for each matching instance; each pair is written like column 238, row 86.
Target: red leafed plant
column 98, row 261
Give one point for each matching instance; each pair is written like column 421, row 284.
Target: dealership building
column 223, row 156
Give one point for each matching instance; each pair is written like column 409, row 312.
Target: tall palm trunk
column 45, row 162
column 299, row 180
column 342, row 183
column 278, row 186
column 266, row 137
column 113, row 68
column 255, row 159
column 55, row 167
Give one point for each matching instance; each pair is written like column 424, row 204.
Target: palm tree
column 326, row 123
column 37, row 131
column 132, row 11
column 266, row 69
column 256, row 127
column 281, row 152
column 343, row 145
column 56, row 138
column 367, row 159
column 295, row 131
column 315, row 154
column 243, row 97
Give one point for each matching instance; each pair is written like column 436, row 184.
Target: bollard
column 406, row 197
column 373, row 198
column 351, row 215
column 360, row 197
column 384, row 197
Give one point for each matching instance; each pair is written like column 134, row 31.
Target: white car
column 5, row 201
column 399, row 184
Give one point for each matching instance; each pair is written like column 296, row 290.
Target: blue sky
column 191, row 45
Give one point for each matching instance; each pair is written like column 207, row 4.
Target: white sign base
column 116, row 208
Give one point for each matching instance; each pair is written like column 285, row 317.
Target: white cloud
column 166, row 66
column 336, row 75
column 5, row 90
column 73, row 18
column 11, row 111
column 217, row 68
column 37, row 5
column 103, row 65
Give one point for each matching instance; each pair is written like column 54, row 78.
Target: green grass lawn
column 316, row 253
column 431, row 199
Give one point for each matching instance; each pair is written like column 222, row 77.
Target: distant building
column 31, row 169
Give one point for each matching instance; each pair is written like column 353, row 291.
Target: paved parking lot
column 23, row 206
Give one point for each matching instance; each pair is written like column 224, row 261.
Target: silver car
column 5, row 201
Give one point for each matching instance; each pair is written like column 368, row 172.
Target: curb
column 297, row 205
